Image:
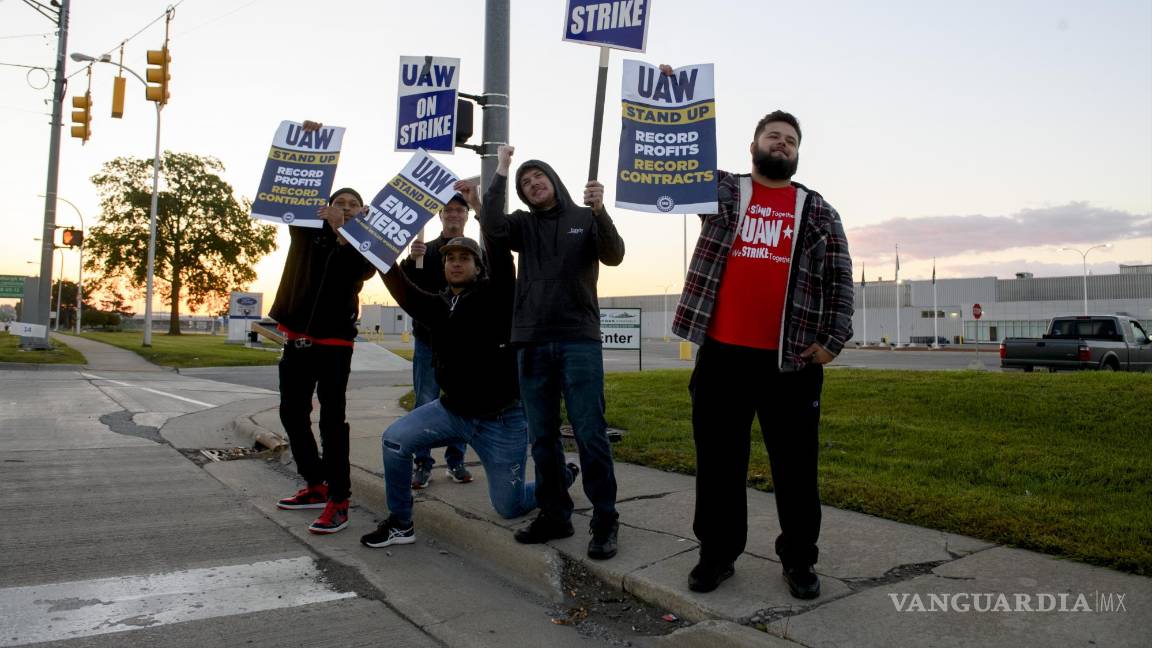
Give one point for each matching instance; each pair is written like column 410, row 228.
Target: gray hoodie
column 561, row 249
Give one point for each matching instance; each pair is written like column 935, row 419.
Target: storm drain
column 228, row 454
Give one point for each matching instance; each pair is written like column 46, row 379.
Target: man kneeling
column 470, row 322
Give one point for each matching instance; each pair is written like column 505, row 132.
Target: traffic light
column 118, row 89
column 82, row 117
column 158, row 61
column 72, row 237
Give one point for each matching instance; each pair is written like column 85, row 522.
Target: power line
column 26, row 35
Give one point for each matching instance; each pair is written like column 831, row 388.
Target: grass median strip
column 189, row 350
column 1055, row 463
column 60, row 353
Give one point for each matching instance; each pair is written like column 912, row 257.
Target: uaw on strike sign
column 401, row 208
column 426, row 103
column 667, row 157
column 299, row 174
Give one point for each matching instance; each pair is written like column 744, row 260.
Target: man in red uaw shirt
column 768, row 298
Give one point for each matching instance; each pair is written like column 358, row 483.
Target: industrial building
column 1017, row 307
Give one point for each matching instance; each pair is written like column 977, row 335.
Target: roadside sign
column 977, row 311
column 27, row 330
column 11, row 286
column 426, row 104
column 620, row 328
column 620, row 25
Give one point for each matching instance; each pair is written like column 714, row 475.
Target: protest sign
column 400, row 209
column 299, row 174
column 426, row 103
column 667, row 160
column 620, row 25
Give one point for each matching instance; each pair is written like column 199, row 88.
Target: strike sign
column 400, row 209
column 299, row 174
column 667, row 157
column 620, row 25
column 426, row 104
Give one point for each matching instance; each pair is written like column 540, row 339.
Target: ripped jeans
column 501, row 443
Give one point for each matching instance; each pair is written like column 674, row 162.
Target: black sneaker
column 389, row 532
column 602, row 546
column 460, row 474
column 707, row 576
column 421, row 475
column 544, row 529
column 573, row 473
column 802, row 582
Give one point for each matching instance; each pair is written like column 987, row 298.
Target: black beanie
column 345, row 190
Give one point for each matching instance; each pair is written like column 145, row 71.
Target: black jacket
column 560, row 254
column 430, row 279
column 475, row 366
column 320, row 287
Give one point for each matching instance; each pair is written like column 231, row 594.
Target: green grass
column 61, row 353
column 1055, row 463
column 403, row 352
column 192, row 350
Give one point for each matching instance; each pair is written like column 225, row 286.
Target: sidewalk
column 884, row 583
column 105, row 357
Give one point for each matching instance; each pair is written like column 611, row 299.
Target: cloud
column 1075, row 224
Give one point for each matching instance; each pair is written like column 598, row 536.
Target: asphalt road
column 120, row 533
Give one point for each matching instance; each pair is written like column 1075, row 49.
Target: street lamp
column 80, row 271
column 106, row 58
column 1084, row 259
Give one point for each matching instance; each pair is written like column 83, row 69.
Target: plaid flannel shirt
column 818, row 301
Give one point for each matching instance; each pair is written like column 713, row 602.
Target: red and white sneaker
column 309, row 497
column 333, row 519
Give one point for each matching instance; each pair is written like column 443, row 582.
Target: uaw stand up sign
column 299, row 174
column 667, row 160
column 400, row 209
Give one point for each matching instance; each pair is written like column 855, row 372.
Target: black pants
column 729, row 385
column 323, row 369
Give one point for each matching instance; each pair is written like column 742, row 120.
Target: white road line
column 147, row 389
column 62, row 611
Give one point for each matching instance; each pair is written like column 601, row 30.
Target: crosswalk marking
column 59, row 611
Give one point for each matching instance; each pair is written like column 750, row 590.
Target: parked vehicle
column 1103, row 342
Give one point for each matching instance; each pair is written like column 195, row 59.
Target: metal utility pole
column 496, row 65
column 48, row 236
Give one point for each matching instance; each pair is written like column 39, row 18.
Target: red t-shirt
column 750, row 300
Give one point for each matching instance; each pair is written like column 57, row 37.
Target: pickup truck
column 1103, row 342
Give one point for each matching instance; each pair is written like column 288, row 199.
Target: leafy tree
column 206, row 242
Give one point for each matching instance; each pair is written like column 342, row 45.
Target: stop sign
column 977, row 311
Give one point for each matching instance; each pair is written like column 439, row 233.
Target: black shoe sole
column 708, row 586
column 549, row 537
column 803, row 594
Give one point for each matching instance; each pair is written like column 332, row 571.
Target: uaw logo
column 288, row 217
column 365, row 246
column 665, row 203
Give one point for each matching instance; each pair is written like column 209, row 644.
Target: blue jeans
column 427, row 390
column 501, row 443
column 576, row 370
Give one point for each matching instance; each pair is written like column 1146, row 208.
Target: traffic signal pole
column 496, row 62
column 48, row 236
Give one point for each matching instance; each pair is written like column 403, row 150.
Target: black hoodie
column 475, row 365
column 561, row 249
column 320, row 287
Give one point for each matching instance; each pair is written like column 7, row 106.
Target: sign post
column 977, row 312
column 618, row 25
